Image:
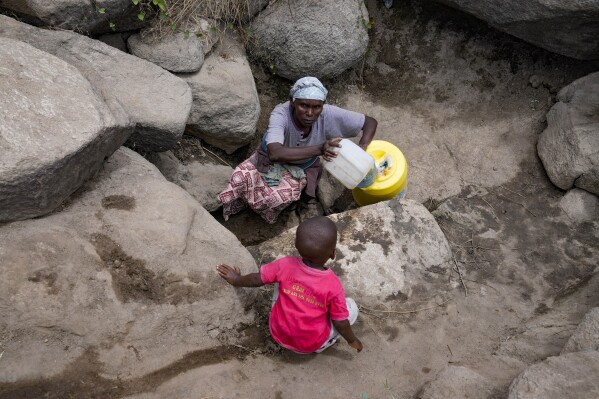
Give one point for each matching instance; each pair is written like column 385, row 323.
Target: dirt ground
column 455, row 96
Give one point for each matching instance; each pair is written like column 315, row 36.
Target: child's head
column 316, row 239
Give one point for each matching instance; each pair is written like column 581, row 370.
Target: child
column 310, row 310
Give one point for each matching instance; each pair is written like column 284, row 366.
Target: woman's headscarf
column 308, row 88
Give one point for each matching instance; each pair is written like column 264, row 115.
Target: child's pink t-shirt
column 307, row 299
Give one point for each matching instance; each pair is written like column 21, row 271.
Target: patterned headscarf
column 308, row 88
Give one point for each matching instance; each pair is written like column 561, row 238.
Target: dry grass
column 185, row 12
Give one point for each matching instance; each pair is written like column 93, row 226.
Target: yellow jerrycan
column 391, row 175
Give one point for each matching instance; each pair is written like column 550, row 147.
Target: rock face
column 573, row 375
column 203, row 181
column 388, row 251
column 305, row 37
column 156, row 101
column 54, row 131
column 329, row 190
column 174, row 51
column 569, row 28
column 225, row 107
column 580, row 205
column 124, row 277
column 586, row 336
column 77, row 15
column 457, row 382
column 569, row 147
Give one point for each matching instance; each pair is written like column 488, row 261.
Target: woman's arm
column 368, row 131
column 277, row 152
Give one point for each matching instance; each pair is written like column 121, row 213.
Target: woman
column 287, row 164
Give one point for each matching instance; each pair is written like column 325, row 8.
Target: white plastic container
column 351, row 165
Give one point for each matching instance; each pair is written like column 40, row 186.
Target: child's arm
column 233, row 276
column 344, row 328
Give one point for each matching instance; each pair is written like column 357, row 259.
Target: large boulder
column 155, row 100
column 317, row 38
column 173, row 52
column 586, row 336
column 457, row 382
column 204, row 181
column 566, row 27
column 569, row 146
column 386, row 252
column 569, row 376
column 225, row 107
column 55, row 131
column 180, row 51
column 123, row 279
column 580, row 205
column 93, row 17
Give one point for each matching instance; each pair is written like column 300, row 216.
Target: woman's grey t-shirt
column 332, row 122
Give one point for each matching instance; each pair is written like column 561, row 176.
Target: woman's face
column 306, row 111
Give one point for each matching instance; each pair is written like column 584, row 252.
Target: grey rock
column 329, row 190
column 569, row 376
column 204, row 181
column 77, row 15
column 155, row 100
column 55, row 131
column 329, row 37
column 307, row 211
column 124, row 274
column 172, row 51
column 457, row 382
column 569, row 146
column 225, row 107
column 586, row 336
column 569, row 28
column 580, row 205
column 170, row 167
column 535, row 81
column 390, row 250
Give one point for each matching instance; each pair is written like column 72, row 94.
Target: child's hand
column 357, row 345
column 229, row 273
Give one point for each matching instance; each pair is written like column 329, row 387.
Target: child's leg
column 275, row 294
column 353, row 310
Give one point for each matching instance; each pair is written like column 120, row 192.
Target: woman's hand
column 328, row 152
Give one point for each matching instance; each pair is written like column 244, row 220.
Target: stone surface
column 225, row 106
column 329, row 37
column 123, row 278
column 55, row 131
column 77, row 15
column 586, row 336
column 156, row 101
column 569, row 147
column 457, row 382
column 329, row 190
column 204, row 181
column 172, row 51
column 573, row 375
column 385, row 252
column 569, row 28
column 580, row 205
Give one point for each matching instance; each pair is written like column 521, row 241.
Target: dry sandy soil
column 454, row 95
